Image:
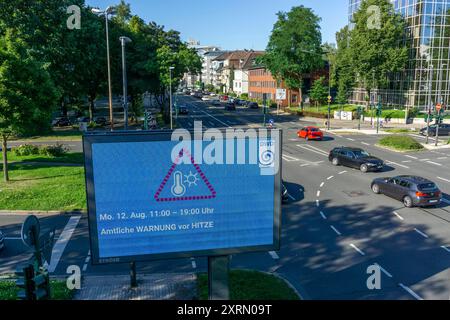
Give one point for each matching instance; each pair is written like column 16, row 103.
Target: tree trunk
column 91, row 109
column 5, row 158
column 300, row 98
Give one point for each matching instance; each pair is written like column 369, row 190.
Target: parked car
column 444, row 130
column 2, row 241
column 83, row 119
column 215, row 102
column 310, row 133
column 61, row 122
column 206, row 98
column 355, row 158
column 411, row 190
column 183, row 109
column 253, row 105
column 224, row 98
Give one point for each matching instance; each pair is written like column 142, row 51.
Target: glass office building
column 429, row 55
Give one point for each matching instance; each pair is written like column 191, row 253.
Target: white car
column 206, row 98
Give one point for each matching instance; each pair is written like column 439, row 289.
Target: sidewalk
column 150, row 287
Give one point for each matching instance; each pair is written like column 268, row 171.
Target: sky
column 231, row 24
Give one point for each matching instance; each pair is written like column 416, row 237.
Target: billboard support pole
column 218, row 271
column 133, row 278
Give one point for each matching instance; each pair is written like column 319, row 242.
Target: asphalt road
column 333, row 229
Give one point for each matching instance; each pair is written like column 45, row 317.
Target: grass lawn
column 43, row 187
column 56, row 134
column 399, row 130
column 59, row 291
column 74, row 157
column 400, row 143
column 251, row 285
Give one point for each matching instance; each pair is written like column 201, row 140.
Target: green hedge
column 401, row 143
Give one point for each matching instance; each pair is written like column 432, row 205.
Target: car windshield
column 427, row 186
column 313, row 129
column 361, row 154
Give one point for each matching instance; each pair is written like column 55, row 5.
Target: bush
column 244, row 96
column 313, row 114
column 26, row 150
column 401, row 142
column 57, row 150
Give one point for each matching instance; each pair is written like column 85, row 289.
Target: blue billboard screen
column 146, row 201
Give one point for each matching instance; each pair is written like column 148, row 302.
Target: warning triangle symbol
column 175, row 184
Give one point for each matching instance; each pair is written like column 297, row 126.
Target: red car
column 312, row 133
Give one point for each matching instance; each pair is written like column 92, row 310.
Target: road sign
column 30, row 230
column 153, row 198
column 281, row 94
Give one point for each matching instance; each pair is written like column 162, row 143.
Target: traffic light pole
column 428, row 124
column 438, row 120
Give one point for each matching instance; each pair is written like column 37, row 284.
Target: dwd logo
column 374, row 19
column 74, row 21
column 374, row 281
column 74, row 280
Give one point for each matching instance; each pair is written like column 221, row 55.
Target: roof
column 223, row 56
column 415, row 179
column 250, row 62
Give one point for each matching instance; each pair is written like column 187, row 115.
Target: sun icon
column 191, row 179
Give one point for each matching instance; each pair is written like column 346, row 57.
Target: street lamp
column 124, row 41
column 107, row 12
column 170, row 97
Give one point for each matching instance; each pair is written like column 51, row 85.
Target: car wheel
column 335, row 161
column 364, row 168
column 376, row 189
column 407, row 201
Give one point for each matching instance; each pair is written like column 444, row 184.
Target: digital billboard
column 153, row 198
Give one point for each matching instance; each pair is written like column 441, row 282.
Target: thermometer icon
column 178, row 188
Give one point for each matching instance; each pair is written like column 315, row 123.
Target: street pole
column 170, row 97
column 111, row 116
column 329, row 95
column 438, row 116
column 124, row 40
column 430, row 85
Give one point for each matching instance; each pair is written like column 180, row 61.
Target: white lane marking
column 289, row 158
column 330, row 177
column 13, row 238
column 215, row 118
column 342, row 172
column 350, row 139
column 365, row 143
column 411, row 157
column 445, row 248
column 337, row 135
column 274, row 255
column 443, row 179
column 421, row 233
column 323, row 215
column 317, row 203
column 442, row 158
column 304, row 165
column 396, row 164
column 322, row 184
column 399, row 216
column 407, row 161
column 62, row 241
column 336, row 230
column 424, row 160
column 193, row 263
column 292, row 198
column 85, row 267
column 211, row 123
column 318, row 193
column 322, row 153
column 293, row 139
column 435, row 163
column 384, row 270
column 357, row 249
column 415, row 295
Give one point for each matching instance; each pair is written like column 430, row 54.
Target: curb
column 40, row 213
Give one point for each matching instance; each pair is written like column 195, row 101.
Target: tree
column 319, row 92
column 343, row 72
column 27, row 93
column 294, row 48
column 377, row 50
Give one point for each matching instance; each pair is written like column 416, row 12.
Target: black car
column 284, row 193
column 2, row 241
column 411, row 190
column 355, row 158
column 253, row 105
column 101, row 121
column 61, row 122
column 444, row 130
column 230, row 105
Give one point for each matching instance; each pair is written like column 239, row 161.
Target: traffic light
column 33, row 285
column 25, row 282
column 330, row 99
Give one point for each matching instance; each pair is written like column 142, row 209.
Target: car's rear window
column 427, row 186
